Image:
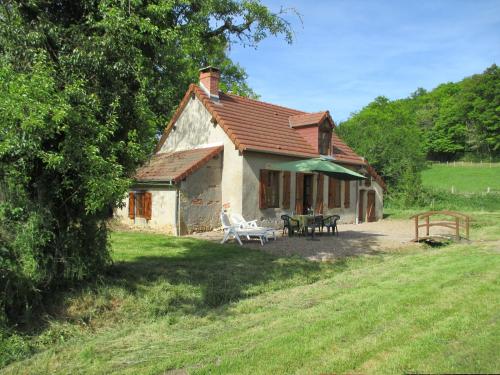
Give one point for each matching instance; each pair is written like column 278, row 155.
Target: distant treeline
column 453, row 121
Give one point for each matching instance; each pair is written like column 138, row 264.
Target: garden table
column 304, row 220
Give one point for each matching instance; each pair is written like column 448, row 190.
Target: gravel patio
column 353, row 239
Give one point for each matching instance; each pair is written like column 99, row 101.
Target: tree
column 86, row 87
column 386, row 134
column 451, row 121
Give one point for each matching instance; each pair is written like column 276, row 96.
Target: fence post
column 416, row 228
column 467, row 228
column 457, row 229
column 427, row 226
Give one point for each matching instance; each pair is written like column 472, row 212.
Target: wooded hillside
column 453, row 121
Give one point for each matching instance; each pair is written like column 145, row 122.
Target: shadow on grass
column 156, row 276
column 221, row 274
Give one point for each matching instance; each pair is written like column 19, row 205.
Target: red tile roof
column 343, row 153
column 307, row 119
column 372, row 172
column 175, row 166
column 253, row 125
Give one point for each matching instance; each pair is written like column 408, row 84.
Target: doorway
column 370, row 206
column 361, row 206
column 308, row 193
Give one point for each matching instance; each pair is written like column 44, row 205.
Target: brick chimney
column 209, row 81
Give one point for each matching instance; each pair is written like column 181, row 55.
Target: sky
column 346, row 53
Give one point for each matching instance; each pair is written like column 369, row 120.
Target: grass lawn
column 465, row 178
column 171, row 303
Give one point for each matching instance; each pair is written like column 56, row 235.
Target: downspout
column 177, row 212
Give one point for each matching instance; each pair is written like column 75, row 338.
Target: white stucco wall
column 347, row 215
column 194, row 129
column 163, row 201
column 201, row 198
column 379, row 200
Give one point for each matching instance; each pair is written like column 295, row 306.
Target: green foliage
column 462, row 118
column 86, row 88
column 386, row 134
column 451, row 121
column 13, row 347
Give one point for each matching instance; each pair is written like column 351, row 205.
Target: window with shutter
column 140, row 205
column 347, row 193
column 333, row 193
column 269, row 189
column 286, row 190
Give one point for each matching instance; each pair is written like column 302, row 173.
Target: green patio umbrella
column 319, row 165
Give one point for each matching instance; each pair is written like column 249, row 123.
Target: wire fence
column 485, row 164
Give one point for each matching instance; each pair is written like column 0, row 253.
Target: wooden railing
column 461, row 222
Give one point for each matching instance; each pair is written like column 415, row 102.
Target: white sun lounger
column 237, row 219
column 235, row 231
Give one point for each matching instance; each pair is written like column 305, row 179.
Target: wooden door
column 370, row 206
column 361, row 205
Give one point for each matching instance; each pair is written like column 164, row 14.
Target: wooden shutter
column 147, row 206
column 347, row 193
column 299, row 193
column 337, row 196
column 319, row 194
column 333, row 193
column 131, row 205
column 286, row 190
column 264, row 175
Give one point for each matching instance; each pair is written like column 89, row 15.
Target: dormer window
column 325, row 139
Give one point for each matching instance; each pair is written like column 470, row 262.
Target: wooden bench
column 461, row 221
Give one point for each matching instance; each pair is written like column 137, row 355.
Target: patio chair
column 237, row 219
column 290, row 224
column 235, row 231
column 330, row 222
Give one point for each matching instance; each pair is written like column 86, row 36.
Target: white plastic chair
column 238, row 219
column 235, row 231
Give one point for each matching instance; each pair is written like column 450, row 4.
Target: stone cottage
column 219, row 148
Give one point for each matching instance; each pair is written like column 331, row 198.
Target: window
column 333, row 193
column 324, row 142
column 269, row 189
column 139, row 205
column 324, row 138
